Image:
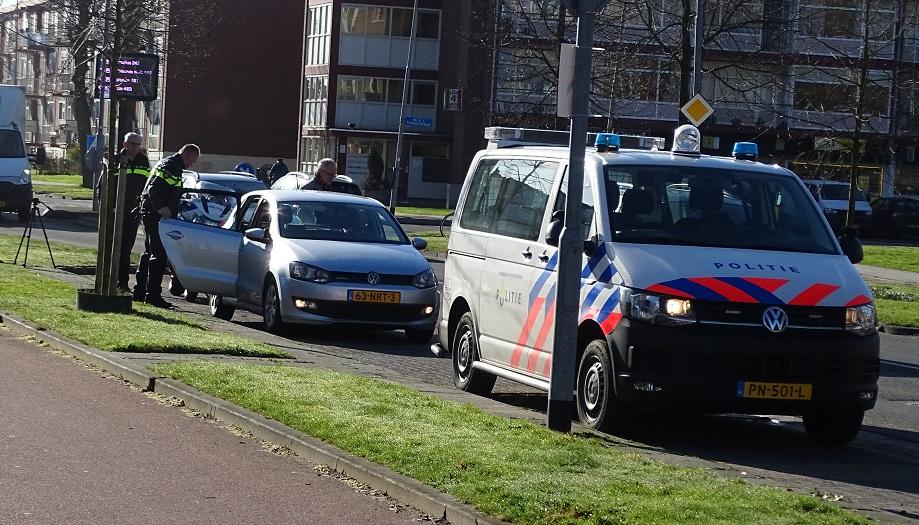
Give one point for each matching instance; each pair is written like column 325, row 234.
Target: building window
column 424, row 93
column 359, row 20
column 319, row 35
column 845, row 18
column 315, row 96
column 368, row 89
column 814, row 96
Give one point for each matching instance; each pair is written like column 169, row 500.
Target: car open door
column 204, row 255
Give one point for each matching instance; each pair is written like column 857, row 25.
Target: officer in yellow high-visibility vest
column 137, row 169
column 160, row 199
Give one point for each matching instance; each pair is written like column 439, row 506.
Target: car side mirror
column 555, row 228
column 592, row 246
column 420, row 244
column 851, row 246
column 257, row 234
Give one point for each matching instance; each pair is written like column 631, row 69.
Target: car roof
column 638, row 157
column 213, row 177
column 318, row 196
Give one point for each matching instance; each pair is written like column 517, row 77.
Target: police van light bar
column 745, row 150
column 607, row 142
column 501, row 137
column 687, row 140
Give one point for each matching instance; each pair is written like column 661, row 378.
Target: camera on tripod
column 27, row 233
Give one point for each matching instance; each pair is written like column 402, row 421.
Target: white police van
column 708, row 283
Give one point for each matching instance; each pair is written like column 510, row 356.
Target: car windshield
column 709, row 207
column 839, row 192
column 338, row 221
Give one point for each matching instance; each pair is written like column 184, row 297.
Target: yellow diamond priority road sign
column 697, row 110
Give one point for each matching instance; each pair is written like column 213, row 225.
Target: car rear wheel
column 218, row 309
column 271, row 309
column 419, row 336
column 596, row 395
column 465, row 352
column 833, row 427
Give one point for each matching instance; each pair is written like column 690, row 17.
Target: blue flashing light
column 608, row 142
column 746, row 150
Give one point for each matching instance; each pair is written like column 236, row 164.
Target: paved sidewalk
column 888, row 275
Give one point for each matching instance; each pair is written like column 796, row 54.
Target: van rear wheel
column 833, row 427
column 465, row 353
column 595, row 391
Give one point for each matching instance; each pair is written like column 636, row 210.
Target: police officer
column 278, row 170
column 161, row 200
column 137, row 169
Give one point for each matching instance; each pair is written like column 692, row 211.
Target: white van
column 833, row 199
column 15, row 176
column 708, row 283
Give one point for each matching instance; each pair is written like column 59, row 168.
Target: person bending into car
column 161, row 200
column 325, row 174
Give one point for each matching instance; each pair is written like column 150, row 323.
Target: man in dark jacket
column 161, row 200
column 278, row 170
column 137, row 169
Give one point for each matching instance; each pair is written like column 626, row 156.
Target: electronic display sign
column 136, row 78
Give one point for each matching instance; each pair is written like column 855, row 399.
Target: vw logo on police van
column 374, row 278
column 775, row 319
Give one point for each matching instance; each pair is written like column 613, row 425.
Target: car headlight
column 305, row 272
column 425, row 279
column 25, row 177
column 660, row 310
column 862, row 320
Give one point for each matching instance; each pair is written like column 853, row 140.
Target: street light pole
column 571, row 242
column 394, row 192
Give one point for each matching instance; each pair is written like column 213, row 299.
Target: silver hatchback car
column 309, row 257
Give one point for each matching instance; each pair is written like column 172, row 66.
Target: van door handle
column 527, row 254
column 544, row 257
column 175, row 234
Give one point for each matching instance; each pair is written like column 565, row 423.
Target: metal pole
column 697, row 49
column 100, row 146
column 571, row 243
column 394, row 192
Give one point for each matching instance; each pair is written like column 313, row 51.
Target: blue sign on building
column 418, row 121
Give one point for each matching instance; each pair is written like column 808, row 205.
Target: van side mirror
column 851, row 246
column 592, row 246
column 555, row 228
column 257, row 234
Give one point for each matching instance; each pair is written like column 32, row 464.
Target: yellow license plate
column 792, row 391
column 371, row 296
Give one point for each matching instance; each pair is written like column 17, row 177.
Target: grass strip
column 428, row 212
column 904, row 258
column 65, row 254
column 436, row 243
column 511, row 469
column 896, row 304
column 65, row 185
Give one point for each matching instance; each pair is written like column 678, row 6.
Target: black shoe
column 138, row 296
column 157, row 301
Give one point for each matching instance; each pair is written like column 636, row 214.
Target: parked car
column 833, row 199
column 304, row 257
column 897, row 216
column 218, row 196
column 297, row 180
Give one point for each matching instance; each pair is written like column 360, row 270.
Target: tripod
column 27, row 233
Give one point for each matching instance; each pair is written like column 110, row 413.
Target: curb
column 899, row 330
column 400, row 487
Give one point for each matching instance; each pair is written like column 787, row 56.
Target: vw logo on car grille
column 374, row 278
column 775, row 319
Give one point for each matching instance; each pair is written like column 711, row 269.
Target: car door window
column 263, row 216
column 248, row 214
column 509, row 197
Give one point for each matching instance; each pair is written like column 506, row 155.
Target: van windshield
column 709, row 207
column 11, row 144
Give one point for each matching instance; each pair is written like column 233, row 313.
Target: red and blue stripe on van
column 757, row 290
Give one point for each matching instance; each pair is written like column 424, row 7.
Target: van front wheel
column 465, row 351
column 833, row 427
column 595, row 391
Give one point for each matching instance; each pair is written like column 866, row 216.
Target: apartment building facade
column 34, row 54
column 783, row 73
column 353, row 78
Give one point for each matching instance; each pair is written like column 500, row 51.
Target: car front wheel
column 465, row 351
column 271, row 309
column 218, row 309
column 833, row 427
column 595, row 391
